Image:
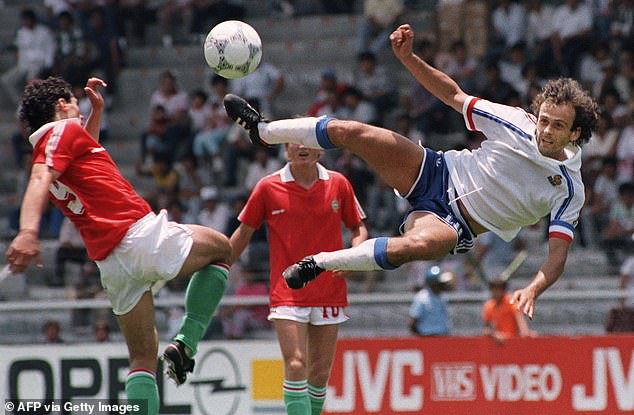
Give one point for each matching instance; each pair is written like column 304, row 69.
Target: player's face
column 298, row 154
column 554, row 129
column 70, row 109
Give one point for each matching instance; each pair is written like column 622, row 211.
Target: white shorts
column 154, row 249
column 317, row 316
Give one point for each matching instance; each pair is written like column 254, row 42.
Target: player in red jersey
column 133, row 247
column 303, row 198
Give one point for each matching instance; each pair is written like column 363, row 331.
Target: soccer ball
column 233, row 49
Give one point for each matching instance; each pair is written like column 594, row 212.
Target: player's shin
column 309, row 131
column 141, row 389
column 204, row 291
column 370, row 255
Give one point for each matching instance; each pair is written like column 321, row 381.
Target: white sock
column 370, row 255
column 296, row 130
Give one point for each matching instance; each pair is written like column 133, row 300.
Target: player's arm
column 436, row 82
column 26, row 247
column 93, row 123
column 358, row 234
column 239, row 240
column 548, row 273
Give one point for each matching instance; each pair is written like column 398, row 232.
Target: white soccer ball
column 233, row 49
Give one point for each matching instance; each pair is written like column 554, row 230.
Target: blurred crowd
column 202, row 167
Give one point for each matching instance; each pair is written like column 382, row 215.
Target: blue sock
column 380, row 253
column 322, row 133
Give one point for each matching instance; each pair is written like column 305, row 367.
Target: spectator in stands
column 356, row 107
column 51, row 330
column 264, row 163
column 617, row 237
column 171, row 97
column 154, row 138
column 612, row 79
column 372, row 79
column 239, row 320
column 378, row 20
column 329, row 86
column 428, row 112
column 71, row 51
column 494, row 87
column 102, row 331
column 35, row 48
column 604, row 141
column 306, row 321
column 625, row 151
column 166, row 178
column 139, row 15
column 214, row 213
column 428, row 313
column 501, row 319
column 508, row 24
column 71, row 248
column 262, row 86
column 104, row 50
column 459, row 64
column 540, row 27
column 199, row 111
column 190, row 180
column 604, row 195
column 591, row 66
column 574, row 22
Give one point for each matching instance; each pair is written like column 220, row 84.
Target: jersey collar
column 35, row 137
column 287, row 176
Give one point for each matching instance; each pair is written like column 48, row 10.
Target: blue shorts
column 433, row 193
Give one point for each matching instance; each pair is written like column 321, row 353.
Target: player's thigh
column 292, row 336
column 208, row 246
column 139, row 330
column 394, row 157
column 322, row 343
column 426, row 237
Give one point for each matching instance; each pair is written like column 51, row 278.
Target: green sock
column 296, row 397
column 317, row 397
column 204, row 291
column 141, row 389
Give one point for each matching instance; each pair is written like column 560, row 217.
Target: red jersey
column 303, row 222
column 90, row 190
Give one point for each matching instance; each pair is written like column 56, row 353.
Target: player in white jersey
column 528, row 167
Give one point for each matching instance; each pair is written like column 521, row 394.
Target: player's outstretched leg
column 309, row 131
column 301, row 273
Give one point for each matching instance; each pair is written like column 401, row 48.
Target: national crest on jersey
column 555, row 180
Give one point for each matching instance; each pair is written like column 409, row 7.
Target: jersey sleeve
column 253, row 212
column 497, row 121
column 60, row 147
column 352, row 212
column 565, row 214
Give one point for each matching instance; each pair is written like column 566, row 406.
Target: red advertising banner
column 477, row 376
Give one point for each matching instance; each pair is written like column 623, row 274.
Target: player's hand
column 93, row 94
column 524, row 300
column 402, row 41
column 24, row 249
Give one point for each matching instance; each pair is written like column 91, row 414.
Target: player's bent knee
column 296, row 366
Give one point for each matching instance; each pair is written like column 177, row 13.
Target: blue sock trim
column 322, row 133
column 380, row 253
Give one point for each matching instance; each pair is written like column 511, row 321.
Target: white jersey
column 507, row 183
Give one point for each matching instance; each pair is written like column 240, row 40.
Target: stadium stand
column 291, row 44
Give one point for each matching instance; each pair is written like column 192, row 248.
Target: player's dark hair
column 568, row 91
column 39, row 100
